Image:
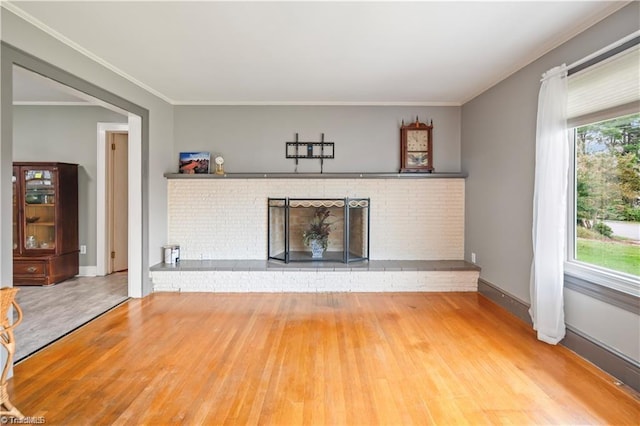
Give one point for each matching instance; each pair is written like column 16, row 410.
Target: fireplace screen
column 318, row 229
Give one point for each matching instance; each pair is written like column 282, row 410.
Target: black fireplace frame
column 286, row 204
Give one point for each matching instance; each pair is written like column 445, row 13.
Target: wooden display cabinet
column 45, row 223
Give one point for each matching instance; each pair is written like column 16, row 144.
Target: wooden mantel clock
column 416, row 153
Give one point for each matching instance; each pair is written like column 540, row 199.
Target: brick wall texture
column 411, row 219
column 314, row 281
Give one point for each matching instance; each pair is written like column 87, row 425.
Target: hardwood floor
column 332, row 358
column 50, row 312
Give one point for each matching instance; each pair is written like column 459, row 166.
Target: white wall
column 66, row 134
column 498, row 153
column 367, row 138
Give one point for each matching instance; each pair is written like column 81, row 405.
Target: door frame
column 102, row 234
column 138, row 119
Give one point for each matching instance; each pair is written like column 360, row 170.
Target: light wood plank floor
column 288, row 359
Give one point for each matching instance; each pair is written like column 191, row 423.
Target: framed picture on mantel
column 194, row 162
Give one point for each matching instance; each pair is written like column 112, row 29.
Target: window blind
column 605, row 90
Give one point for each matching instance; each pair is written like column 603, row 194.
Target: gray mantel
column 350, row 175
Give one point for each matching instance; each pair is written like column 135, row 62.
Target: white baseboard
column 88, row 271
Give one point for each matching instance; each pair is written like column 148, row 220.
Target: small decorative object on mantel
column 194, row 162
column 316, row 235
column 219, row 165
column 319, row 150
column 416, row 151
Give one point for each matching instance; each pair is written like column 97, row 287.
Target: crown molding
column 13, row 8
column 16, row 10
column 536, row 54
column 316, row 103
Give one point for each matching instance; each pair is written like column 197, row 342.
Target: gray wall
column 498, row 152
column 367, row 138
column 66, row 134
column 160, row 158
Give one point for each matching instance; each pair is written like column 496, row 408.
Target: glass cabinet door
column 16, row 208
column 39, row 209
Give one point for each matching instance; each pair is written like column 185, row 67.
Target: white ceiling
column 402, row 53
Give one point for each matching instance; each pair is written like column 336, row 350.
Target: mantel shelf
column 350, row 175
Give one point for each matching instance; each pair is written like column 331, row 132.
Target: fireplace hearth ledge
column 246, row 276
column 274, row 265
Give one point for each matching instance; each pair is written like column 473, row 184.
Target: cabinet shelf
column 45, row 220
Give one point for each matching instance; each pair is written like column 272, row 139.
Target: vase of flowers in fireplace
column 316, row 236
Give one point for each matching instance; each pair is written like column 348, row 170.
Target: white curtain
column 550, row 207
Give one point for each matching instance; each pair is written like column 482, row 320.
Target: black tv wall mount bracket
column 311, row 150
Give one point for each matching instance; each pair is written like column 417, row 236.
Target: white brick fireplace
column 225, row 218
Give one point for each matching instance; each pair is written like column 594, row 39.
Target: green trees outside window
column 608, row 194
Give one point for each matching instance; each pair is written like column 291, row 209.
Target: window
column 604, row 223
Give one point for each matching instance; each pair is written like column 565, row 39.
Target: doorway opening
column 112, row 245
column 117, row 203
column 138, row 282
column 66, row 124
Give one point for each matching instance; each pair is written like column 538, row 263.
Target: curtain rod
column 604, row 53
